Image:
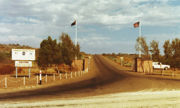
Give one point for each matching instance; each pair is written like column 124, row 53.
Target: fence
column 34, row 80
column 165, row 73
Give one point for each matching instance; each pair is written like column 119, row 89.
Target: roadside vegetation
column 53, row 53
column 123, row 59
column 171, row 54
column 6, row 64
column 171, row 50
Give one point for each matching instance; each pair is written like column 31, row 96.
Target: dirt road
column 108, row 82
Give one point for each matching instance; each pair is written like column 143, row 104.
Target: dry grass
column 6, row 69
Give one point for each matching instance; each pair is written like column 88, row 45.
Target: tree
column 68, row 49
column 176, row 52
column 167, row 52
column 53, row 53
column 142, row 46
column 172, row 52
column 155, row 50
column 77, row 51
column 49, row 53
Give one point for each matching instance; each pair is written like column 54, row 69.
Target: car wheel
column 165, row 68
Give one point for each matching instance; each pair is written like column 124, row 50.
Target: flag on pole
column 136, row 24
column 74, row 23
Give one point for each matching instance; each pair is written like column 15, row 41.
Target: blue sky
column 104, row 26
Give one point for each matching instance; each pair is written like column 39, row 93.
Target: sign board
column 23, row 63
column 23, row 54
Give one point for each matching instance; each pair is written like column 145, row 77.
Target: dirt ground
column 141, row 99
column 17, row 84
column 23, row 81
column 106, row 85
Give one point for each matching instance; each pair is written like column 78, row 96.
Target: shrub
column 6, row 69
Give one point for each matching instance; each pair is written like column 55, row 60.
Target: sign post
column 23, row 58
column 16, row 72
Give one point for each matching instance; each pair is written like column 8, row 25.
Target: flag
column 136, row 24
column 74, row 23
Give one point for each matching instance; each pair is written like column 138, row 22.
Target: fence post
column 5, row 80
column 40, row 77
column 46, row 78
column 16, row 72
column 71, row 74
column 66, row 75
column 75, row 74
column 60, row 76
column 54, row 78
column 24, row 80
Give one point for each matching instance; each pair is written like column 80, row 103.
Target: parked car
column 159, row 65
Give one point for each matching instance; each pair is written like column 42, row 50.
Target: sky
column 104, row 26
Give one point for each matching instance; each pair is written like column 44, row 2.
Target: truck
column 159, row 65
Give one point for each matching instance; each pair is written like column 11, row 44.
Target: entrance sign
column 23, row 63
column 23, row 54
column 23, row 58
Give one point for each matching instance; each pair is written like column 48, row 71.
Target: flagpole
column 76, row 39
column 140, row 39
column 76, row 34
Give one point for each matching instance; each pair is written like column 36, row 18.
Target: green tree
column 167, row 52
column 155, row 50
column 176, row 52
column 53, row 53
column 3, row 57
column 68, row 49
column 142, row 46
column 49, row 53
column 77, row 51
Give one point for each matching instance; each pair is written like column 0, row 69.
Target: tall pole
column 76, row 39
column 76, row 33
column 140, row 39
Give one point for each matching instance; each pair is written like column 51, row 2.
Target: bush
column 2, row 57
column 6, row 69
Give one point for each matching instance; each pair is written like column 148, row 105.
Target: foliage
column 6, row 69
column 3, row 57
column 53, row 53
column 68, row 49
column 155, row 50
column 49, row 53
column 77, row 51
column 167, row 52
column 175, row 45
column 172, row 53
column 5, row 52
column 142, row 46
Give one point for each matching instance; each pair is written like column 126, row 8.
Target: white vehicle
column 158, row 65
